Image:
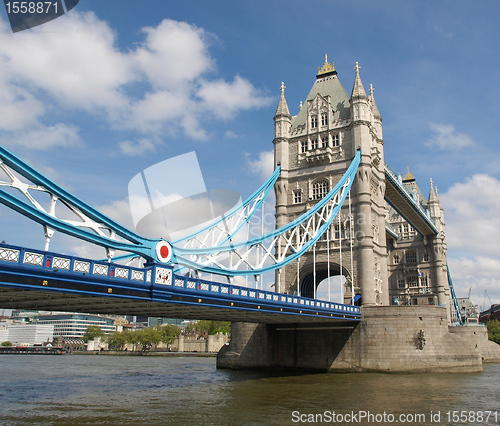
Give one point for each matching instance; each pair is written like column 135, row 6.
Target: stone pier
column 397, row 339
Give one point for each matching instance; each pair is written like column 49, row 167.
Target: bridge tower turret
column 438, row 243
column 315, row 148
column 282, row 125
column 369, row 204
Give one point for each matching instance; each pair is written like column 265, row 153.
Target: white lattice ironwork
column 9, row 255
column 121, row 273
column 137, row 275
column 255, row 256
column 224, row 230
column 81, row 266
column 99, row 269
column 33, row 258
column 24, row 187
column 61, row 263
column 81, row 220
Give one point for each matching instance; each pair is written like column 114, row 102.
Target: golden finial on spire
column 408, row 176
column 326, row 68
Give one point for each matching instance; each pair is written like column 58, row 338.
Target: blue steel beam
column 44, row 280
column 343, row 186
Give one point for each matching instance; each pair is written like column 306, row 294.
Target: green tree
column 117, row 340
column 168, row 332
column 209, row 327
column 92, row 332
column 148, row 337
column 132, row 337
column 6, row 343
column 494, row 330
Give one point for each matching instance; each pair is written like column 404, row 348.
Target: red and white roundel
column 163, row 251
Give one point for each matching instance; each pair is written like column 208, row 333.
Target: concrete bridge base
column 388, row 339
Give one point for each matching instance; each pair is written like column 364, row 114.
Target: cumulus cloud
column 173, row 53
column 136, row 148
column 159, row 84
column 225, row 99
column 229, row 134
column 262, row 166
column 119, row 211
column 445, row 136
column 471, row 214
column 473, row 227
column 44, row 137
column 479, row 274
column 74, row 59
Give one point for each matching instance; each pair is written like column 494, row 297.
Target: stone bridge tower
column 314, row 149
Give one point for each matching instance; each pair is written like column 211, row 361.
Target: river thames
column 114, row 390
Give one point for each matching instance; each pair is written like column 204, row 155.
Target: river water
column 114, row 390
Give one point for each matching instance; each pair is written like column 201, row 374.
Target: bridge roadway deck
column 398, row 196
column 38, row 280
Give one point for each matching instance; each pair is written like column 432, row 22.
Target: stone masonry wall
column 386, row 340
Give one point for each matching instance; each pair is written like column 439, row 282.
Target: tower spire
column 433, row 195
column 282, row 110
column 358, row 91
column 375, row 111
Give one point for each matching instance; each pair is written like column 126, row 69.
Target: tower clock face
column 163, row 276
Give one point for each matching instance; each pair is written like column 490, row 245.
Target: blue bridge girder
column 40, row 280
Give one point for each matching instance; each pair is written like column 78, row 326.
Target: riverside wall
column 387, row 339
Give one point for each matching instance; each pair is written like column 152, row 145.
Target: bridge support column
column 388, row 339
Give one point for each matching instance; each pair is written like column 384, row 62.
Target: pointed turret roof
column 358, row 91
column 283, row 110
column 433, row 195
column 375, row 111
column 327, row 84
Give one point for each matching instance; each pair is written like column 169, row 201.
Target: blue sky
column 113, row 87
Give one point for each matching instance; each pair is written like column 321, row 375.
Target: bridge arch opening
column 326, row 285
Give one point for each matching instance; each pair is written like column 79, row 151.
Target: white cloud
column 225, row 100
column 229, row 134
column 173, row 53
column 139, row 147
column 471, row 215
column 479, row 274
column 74, row 59
column 18, row 108
column 158, row 85
column 119, row 211
column 44, row 137
column 445, row 136
column 473, row 227
column 263, row 166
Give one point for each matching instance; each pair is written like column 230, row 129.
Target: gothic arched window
column 320, row 189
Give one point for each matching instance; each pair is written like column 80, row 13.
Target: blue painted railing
column 160, row 282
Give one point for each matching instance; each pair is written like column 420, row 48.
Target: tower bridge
column 340, row 210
